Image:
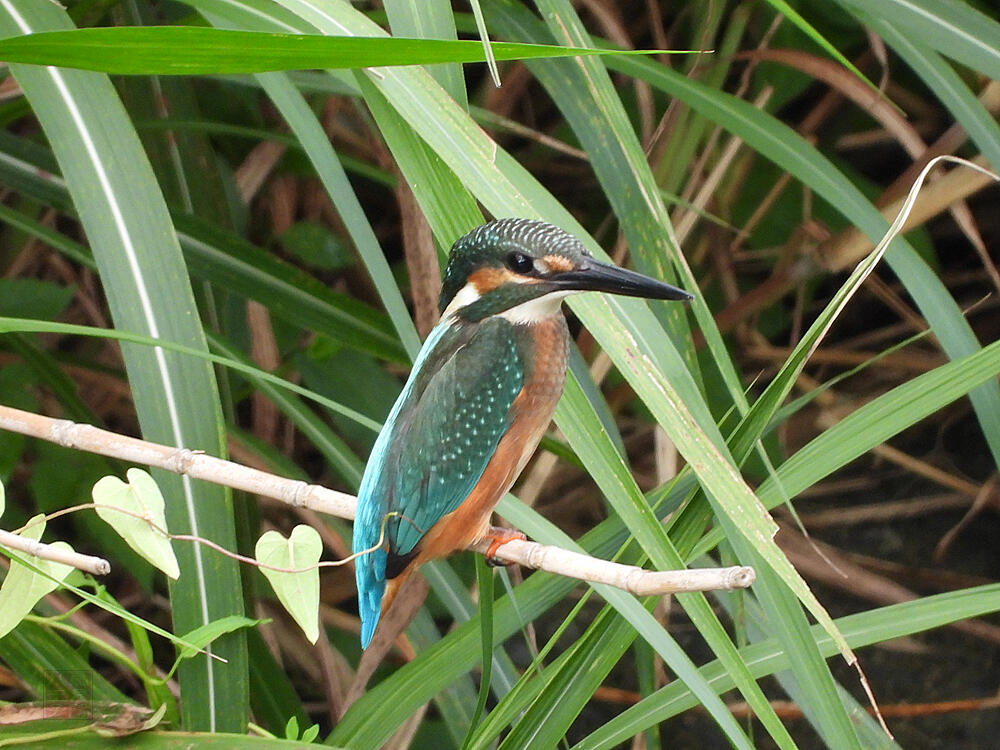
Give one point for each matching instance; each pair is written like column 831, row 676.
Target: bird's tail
column 369, row 572
column 378, row 601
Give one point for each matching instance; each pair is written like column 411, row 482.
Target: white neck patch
column 466, row 296
column 526, row 313
column 535, row 310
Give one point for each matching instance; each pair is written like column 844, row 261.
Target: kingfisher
column 478, row 400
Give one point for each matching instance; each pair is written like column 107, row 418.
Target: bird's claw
column 498, row 537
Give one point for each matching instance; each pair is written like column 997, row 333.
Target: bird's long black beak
column 604, row 277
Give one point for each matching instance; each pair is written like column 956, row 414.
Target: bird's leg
column 499, row 536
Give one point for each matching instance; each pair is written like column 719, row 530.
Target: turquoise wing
column 434, row 446
column 448, row 437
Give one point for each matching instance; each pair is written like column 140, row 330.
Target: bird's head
column 523, row 269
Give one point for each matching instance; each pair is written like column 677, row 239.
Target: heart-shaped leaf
column 23, row 586
column 297, row 592
column 143, row 503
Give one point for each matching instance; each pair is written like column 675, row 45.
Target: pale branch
column 631, row 578
column 199, row 465
column 87, row 563
column 195, row 464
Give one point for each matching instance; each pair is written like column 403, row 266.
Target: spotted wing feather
column 453, row 431
column 434, row 446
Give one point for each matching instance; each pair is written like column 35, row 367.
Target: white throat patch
column 526, row 313
column 466, row 296
column 537, row 309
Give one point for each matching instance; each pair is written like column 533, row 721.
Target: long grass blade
column 873, row 424
column 317, row 146
column 148, row 290
column 790, row 151
column 152, row 50
column 220, row 257
column 430, row 19
column 955, row 29
column 942, row 79
column 768, row 657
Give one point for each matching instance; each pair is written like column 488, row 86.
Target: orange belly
column 532, row 412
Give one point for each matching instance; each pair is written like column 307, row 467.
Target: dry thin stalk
column 791, row 710
column 954, row 186
column 805, row 555
column 983, row 499
column 421, row 259
column 254, row 170
column 700, row 201
column 884, row 511
column 265, row 353
column 893, row 121
column 300, row 494
column 892, row 299
column 848, row 358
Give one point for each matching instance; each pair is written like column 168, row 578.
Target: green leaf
column 62, row 477
column 23, row 587
column 215, row 255
column 316, row 144
column 48, row 665
column 789, row 150
column 806, row 28
column 108, row 604
column 316, row 245
column 956, row 29
column 872, row 425
column 46, row 735
column 14, row 324
column 312, row 426
column 880, row 419
column 430, row 19
column 33, row 298
column 200, row 637
column 140, row 497
column 311, row 733
column 947, row 85
column 298, row 592
column 142, row 272
column 484, row 579
column 571, row 684
column 484, row 36
column 770, row 656
column 141, row 50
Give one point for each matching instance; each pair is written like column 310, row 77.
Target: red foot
column 499, row 537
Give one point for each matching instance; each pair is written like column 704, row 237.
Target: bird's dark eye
column 520, row 263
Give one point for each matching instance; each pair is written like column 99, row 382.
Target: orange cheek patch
column 558, row 263
column 487, row 279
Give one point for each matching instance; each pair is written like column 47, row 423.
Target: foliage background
column 298, row 220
